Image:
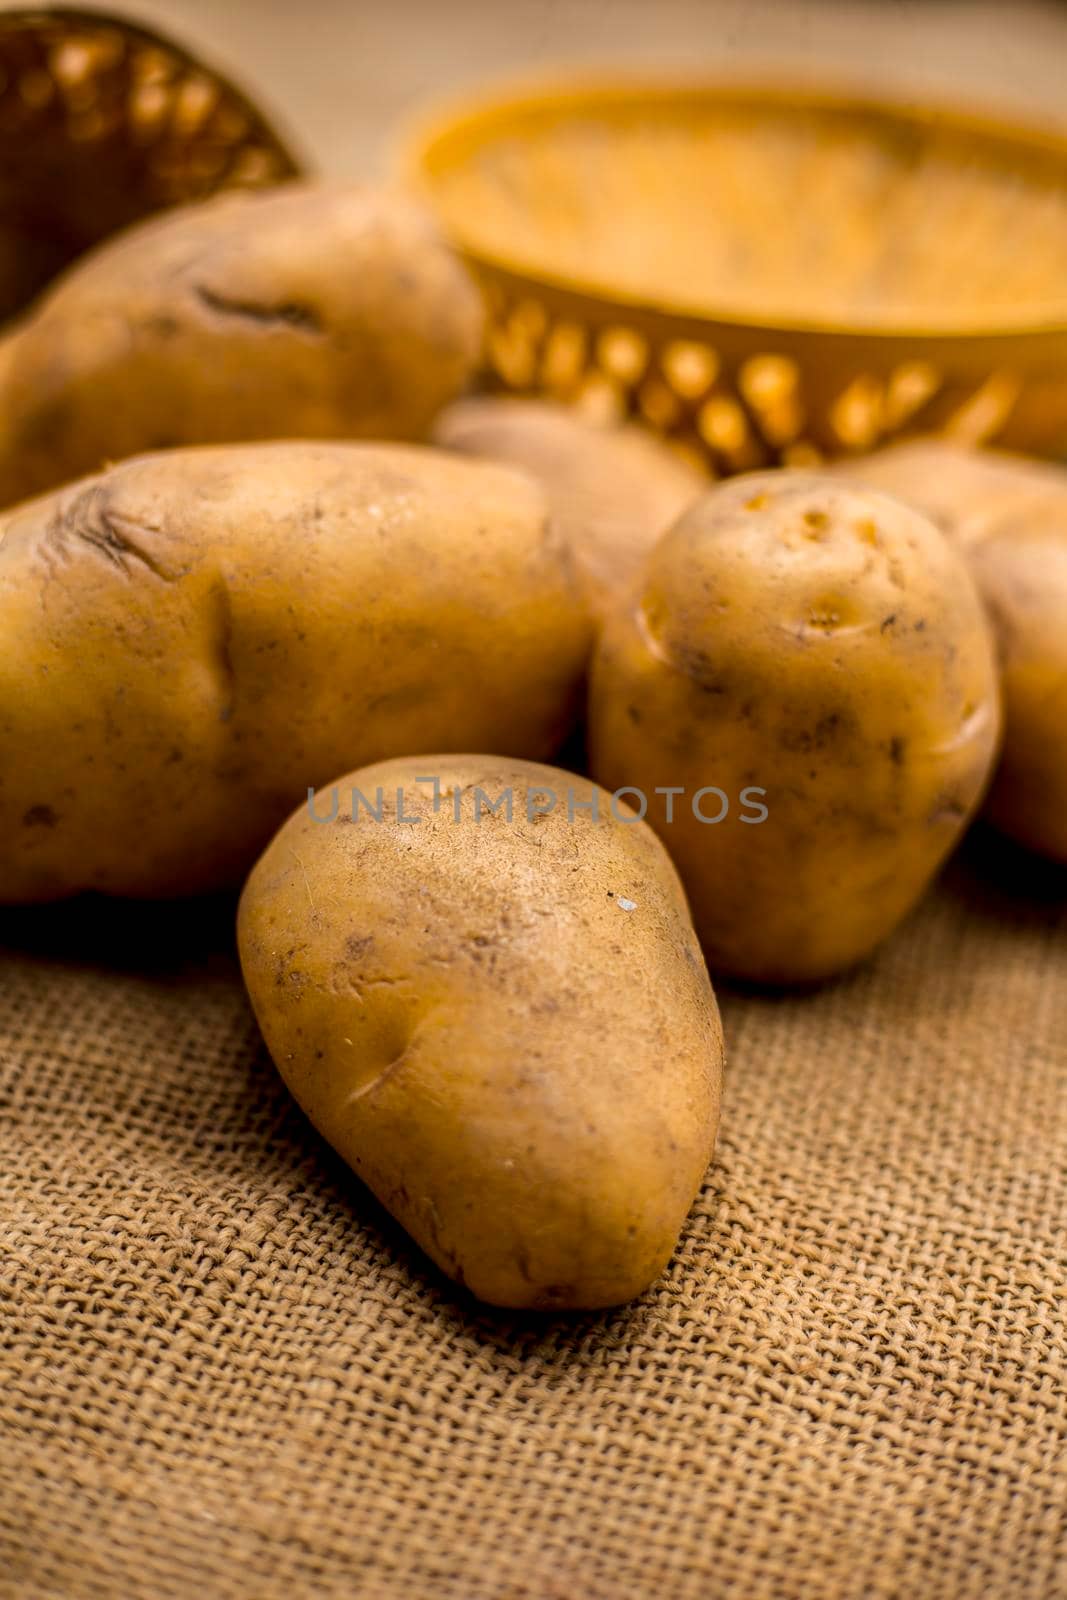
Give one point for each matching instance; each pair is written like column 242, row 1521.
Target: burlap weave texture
column 227, row 1376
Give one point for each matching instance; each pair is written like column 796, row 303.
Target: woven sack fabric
column 228, row 1376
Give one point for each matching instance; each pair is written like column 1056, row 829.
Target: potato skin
column 194, row 638
column 968, row 492
column 505, row 1027
column 614, row 491
column 1009, row 516
column 308, row 311
column 1021, row 572
column 824, row 644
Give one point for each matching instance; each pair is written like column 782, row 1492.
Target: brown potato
column 194, row 638
column 965, row 491
column 503, row 1025
column 308, row 311
column 1009, row 515
column 1021, row 572
column 614, row 491
column 818, row 653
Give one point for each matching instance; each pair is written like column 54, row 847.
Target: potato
column 967, row 492
column 1021, row 572
column 501, row 1021
column 613, row 490
column 818, row 654
column 1009, row 515
column 305, row 311
column 194, row 638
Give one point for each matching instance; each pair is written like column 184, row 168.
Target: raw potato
column 614, row 491
column 504, row 1026
column 1009, row 515
column 307, row 311
column 1021, row 572
column 194, row 638
column 967, row 492
column 824, row 644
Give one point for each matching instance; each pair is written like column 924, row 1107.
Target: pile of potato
column 482, row 976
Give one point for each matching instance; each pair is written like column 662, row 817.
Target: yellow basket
column 101, row 123
column 764, row 274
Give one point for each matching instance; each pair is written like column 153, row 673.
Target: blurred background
column 343, row 73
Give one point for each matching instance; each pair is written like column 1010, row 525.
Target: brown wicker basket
column 764, row 274
column 103, row 122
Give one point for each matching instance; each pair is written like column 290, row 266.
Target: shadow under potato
column 141, row 936
column 992, row 876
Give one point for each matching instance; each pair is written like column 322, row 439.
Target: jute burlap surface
column 225, row 1374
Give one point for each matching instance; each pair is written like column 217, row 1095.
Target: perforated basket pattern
column 736, row 393
column 101, row 123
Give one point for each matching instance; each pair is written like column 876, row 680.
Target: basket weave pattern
column 102, row 123
column 847, row 272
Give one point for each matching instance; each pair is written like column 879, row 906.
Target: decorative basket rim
column 460, row 122
column 273, row 126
